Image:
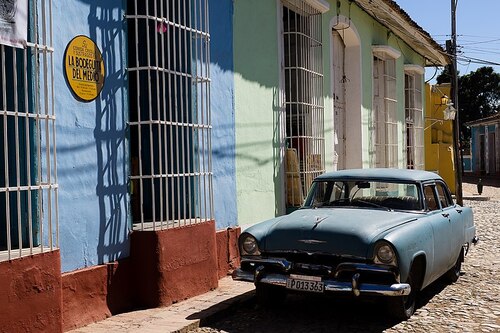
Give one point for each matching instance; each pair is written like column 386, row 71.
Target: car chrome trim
column 347, row 266
column 362, row 289
column 311, row 241
column 355, row 284
column 283, row 263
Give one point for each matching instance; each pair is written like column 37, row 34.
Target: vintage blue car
column 364, row 232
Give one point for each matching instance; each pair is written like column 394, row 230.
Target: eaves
column 389, row 14
column 491, row 120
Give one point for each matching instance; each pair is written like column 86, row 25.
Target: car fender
column 410, row 240
column 468, row 221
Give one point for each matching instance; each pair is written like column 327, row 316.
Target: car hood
column 341, row 231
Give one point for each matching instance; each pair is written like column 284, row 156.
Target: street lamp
column 444, row 100
column 450, row 112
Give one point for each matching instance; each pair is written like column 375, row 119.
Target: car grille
column 323, row 265
column 312, row 263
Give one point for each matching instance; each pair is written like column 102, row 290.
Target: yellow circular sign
column 84, row 68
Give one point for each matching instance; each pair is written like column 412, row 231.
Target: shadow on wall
column 106, row 26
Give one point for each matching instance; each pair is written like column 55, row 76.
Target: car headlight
column 384, row 254
column 248, row 245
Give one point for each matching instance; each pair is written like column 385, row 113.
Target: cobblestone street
column 472, row 304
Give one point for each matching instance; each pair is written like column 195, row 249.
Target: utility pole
column 454, row 95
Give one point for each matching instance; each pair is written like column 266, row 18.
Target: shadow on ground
column 308, row 313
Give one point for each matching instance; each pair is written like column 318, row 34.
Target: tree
column 478, row 95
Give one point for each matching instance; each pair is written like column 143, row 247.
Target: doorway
column 491, row 153
column 482, row 164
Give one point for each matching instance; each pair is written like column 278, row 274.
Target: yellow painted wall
column 438, row 135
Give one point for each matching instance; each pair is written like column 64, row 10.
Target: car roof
column 386, row 174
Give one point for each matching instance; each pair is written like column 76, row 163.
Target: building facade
column 438, row 133
column 138, row 136
column 484, row 146
column 113, row 116
column 340, row 86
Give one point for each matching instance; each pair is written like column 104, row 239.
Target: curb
column 476, row 198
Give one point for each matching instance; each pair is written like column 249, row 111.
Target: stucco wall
column 370, row 33
column 92, row 146
column 256, row 53
column 92, row 138
column 30, row 291
column 256, row 82
column 222, row 108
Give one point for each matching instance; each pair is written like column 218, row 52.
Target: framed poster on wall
column 14, row 22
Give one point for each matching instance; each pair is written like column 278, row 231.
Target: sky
column 478, row 29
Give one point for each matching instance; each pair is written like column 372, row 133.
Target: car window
column 443, row 195
column 430, row 197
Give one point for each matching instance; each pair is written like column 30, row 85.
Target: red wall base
column 174, row 264
column 165, row 267
column 228, row 254
column 30, row 294
column 95, row 293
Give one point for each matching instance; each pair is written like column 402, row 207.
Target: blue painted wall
column 92, row 149
column 222, row 107
column 474, row 134
column 92, row 138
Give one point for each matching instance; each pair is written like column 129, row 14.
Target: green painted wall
column 370, row 33
column 256, row 83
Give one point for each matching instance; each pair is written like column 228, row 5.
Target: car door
column 441, row 228
column 456, row 234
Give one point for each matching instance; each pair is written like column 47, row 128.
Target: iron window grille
column 385, row 113
column 170, row 120
column 414, row 122
column 28, row 180
column 302, row 108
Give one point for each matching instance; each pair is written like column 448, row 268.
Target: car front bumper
column 355, row 286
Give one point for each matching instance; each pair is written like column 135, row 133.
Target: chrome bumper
column 355, row 287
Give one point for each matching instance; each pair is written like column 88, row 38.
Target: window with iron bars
column 385, row 113
column 303, row 108
column 28, row 180
column 170, row 124
column 414, row 122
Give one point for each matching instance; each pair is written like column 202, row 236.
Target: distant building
column 438, row 131
column 485, row 145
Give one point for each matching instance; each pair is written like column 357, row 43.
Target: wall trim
column 414, row 69
column 320, row 5
column 385, row 52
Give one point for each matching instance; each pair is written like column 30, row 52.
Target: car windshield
column 363, row 193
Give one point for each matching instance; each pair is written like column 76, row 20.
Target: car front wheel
column 403, row 307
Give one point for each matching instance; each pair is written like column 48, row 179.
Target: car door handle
column 459, row 211
column 445, row 214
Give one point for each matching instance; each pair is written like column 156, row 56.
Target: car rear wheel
column 269, row 295
column 454, row 273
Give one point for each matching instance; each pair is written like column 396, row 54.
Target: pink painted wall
column 174, row 264
column 30, row 294
column 228, row 255
column 165, row 267
column 95, row 293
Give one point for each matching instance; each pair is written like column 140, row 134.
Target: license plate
column 305, row 285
